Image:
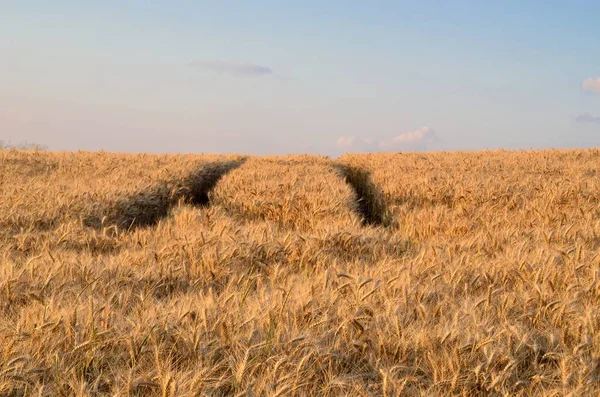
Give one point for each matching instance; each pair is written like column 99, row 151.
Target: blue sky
column 268, row 77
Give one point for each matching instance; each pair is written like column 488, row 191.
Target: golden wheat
column 478, row 274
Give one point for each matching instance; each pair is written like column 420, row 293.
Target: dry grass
column 480, row 276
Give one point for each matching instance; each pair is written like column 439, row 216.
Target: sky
column 273, row 77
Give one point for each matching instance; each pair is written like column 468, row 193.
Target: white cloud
column 354, row 144
column 587, row 118
column 345, row 142
column 422, row 135
column 591, row 85
column 418, row 140
column 233, row 68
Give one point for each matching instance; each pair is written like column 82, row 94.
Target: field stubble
column 478, row 276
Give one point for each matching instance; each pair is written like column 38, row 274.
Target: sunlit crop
column 370, row 275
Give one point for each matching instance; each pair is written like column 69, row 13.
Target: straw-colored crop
column 371, row 275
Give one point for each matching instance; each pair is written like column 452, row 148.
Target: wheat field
column 416, row 274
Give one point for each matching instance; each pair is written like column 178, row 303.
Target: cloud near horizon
column 414, row 141
column 233, row 68
column 591, row 85
column 587, row 118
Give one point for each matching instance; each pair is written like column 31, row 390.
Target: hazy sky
column 317, row 76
